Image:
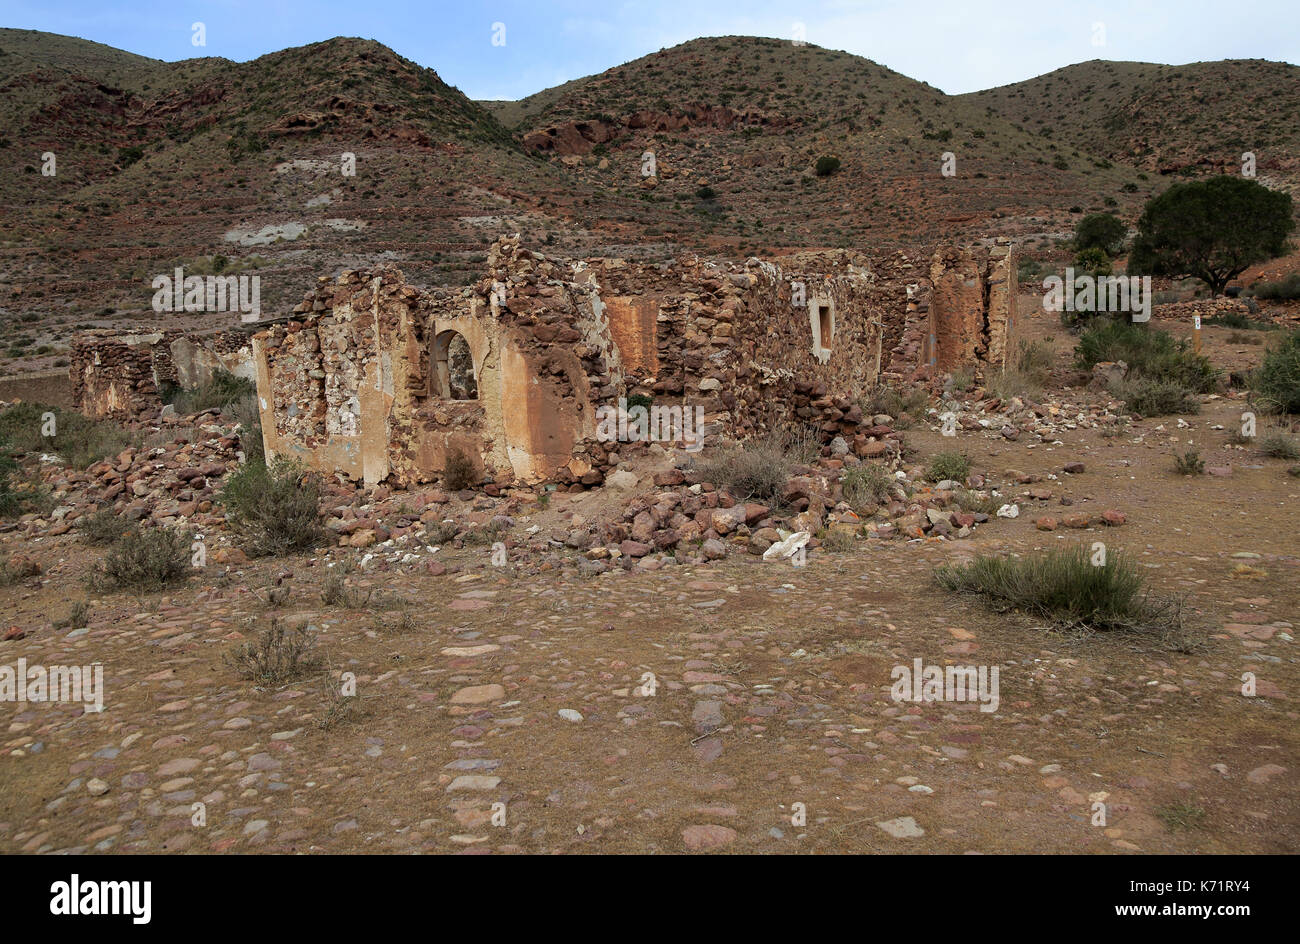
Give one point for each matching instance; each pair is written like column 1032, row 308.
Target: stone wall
column 119, row 376
column 123, row 376
column 971, row 309
column 356, row 383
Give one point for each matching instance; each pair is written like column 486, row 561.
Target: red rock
column 1113, row 518
column 1045, row 523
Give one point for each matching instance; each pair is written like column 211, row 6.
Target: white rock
column 1009, row 511
column 786, row 548
column 621, row 480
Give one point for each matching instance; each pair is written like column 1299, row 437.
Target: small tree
column 1211, row 229
column 1100, row 231
column 827, row 165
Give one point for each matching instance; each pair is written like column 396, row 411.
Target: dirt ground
column 738, row 706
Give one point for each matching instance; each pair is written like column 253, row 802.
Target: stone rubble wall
column 971, row 309
column 123, row 376
column 119, row 376
column 350, row 385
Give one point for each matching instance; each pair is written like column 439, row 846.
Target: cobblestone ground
column 739, row 706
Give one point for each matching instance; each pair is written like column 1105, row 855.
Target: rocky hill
column 711, row 146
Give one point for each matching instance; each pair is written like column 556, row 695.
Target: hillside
column 208, row 163
column 750, row 117
column 1181, row 120
column 204, row 162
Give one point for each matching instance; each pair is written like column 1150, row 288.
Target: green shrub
column 1277, row 382
column 143, row 561
column 948, row 465
column 640, row 399
column 1150, row 354
column 1101, row 231
column 1093, row 261
column 706, row 192
column 1155, row 397
column 1279, row 446
column 1065, row 586
column 11, row 496
column 826, row 165
column 221, row 392
column 274, row 510
column 1176, row 816
column 79, row 440
column 1235, row 319
column 1287, row 289
column 1189, row 463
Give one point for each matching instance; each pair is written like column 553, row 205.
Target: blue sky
column 954, row 45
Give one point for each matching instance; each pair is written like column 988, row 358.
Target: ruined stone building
column 380, row 380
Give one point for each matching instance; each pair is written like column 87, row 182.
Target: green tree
column 1100, row 231
column 1211, row 229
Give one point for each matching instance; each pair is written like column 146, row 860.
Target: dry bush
column 143, row 561
column 758, row 468
column 865, row 485
column 103, row 527
column 279, row 654
column 460, row 472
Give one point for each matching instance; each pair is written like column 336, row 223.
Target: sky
column 511, row 49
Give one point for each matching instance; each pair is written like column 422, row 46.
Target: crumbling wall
column 361, row 382
column 744, row 341
column 326, row 385
column 971, row 308
column 124, row 376
column 196, row 360
column 114, row 376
